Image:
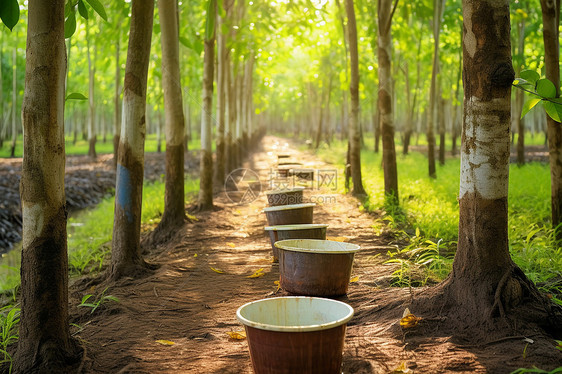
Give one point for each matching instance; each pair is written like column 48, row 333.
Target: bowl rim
column 285, row 190
column 289, row 245
column 296, row 226
column 304, row 328
column 288, row 207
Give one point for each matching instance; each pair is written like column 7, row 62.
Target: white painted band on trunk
column 133, row 128
column 485, row 151
column 33, row 222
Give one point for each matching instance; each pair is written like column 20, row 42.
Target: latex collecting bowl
column 287, row 196
column 299, row 231
column 289, row 214
column 295, row 334
column 315, row 267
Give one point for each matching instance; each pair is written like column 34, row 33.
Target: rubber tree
column 221, row 99
column 519, row 123
column 14, row 101
column 91, row 94
column 126, row 257
column 174, row 202
column 551, row 21
column 354, row 136
column 205, row 201
column 485, row 283
column 384, row 52
column 117, row 100
column 44, row 344
column 438, row 7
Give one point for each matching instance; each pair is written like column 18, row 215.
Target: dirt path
column 189, row 304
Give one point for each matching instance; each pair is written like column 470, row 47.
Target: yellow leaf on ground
column 409, row 320
column 278, row 286
column 354, row 279
column 165, row 342
column 237, row 335
column 401, row 369
column 231, row 245
column 257, row 274
column 195, row 255
column 216, row 270
column 337, row 238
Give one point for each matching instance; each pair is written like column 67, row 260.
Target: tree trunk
column 409, row 109
column 377, row 127
column 174, row 202
column 456, row 108
column 354, row 136
column 44, row 344
column 117, row 114
column 438, row 6
column 221, row 107
column 126, row 257
column 2, row 122
column 551, row 21
column 206, row 167
column 441, row 104
column 229, row 115
column 14, row 103
column 385, row 100
column 326, row 93
column 484, row 282
column 91, row 101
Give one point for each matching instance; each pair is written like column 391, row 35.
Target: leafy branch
column 544, row 92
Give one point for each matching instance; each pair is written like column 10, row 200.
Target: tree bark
column 221, row 107
column 438, row 6
column 385, row 100
column 91, row 101
column 409, row 108
column 2, row 122
column 126, row 259
column 14, row 103
column 519, row 97
column 354, row 135
column 117, row 114
column 551, row 21
column 206, row 166
column 441, row 105
column 174, row 202
column 44, row 344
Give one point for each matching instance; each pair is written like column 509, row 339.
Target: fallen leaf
column 337, row 238
column 257, row 274
column 409, row 320
column 165, row 342
column 237, row 335
column 401, row 369
column 195, row 255
column 354, row 279
column 278, row 286
column 216, row 270
column 406, row 312
column 231, row 245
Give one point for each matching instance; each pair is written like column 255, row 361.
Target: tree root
column 516, row 296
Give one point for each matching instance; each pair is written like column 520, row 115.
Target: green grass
column 428, row 216
column 89, row 236
column 81, row 146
